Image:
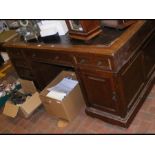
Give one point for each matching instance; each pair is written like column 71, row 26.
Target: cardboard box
column 28, row 86
column 29, row 106
column 70, row 106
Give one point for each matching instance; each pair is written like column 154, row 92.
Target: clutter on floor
column 20, row 97
column 6, row 89
column 24, row 101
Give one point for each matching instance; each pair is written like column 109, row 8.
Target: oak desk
column 115, row 70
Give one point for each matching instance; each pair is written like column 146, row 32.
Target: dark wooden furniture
column 118, row 24
column 114, row 78
column 84, row 29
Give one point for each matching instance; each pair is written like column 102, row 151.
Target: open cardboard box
column 29, row 106
column 70, row 106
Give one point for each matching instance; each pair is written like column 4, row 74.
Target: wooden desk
column 115, row 76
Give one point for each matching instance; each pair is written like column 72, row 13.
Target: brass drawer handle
column 82, row 61
column 99, row 63
column 75, row 60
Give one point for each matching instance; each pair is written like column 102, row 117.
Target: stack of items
column 52, row 29
column 6, row 90
column 3, row 26
column 62, row 89
column 18, row 97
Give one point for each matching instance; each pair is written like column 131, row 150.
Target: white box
column 59, row 25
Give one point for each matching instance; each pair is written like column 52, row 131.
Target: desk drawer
column 51, row 57
column 102, row 63
column 16, row 53
column 94, row 61
column 84, row 60
column 19, row 62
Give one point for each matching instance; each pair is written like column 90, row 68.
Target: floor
column 42, row 123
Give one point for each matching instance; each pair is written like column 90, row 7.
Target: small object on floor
column 10, row 109
column 18, row 97
column 4, row 69
column 62, row 123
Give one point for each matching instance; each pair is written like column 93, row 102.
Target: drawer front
column 51, row 57
column 84, row 60
column 96, row 62
column 16, row 53
column 103, row 63
column 19, row 63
